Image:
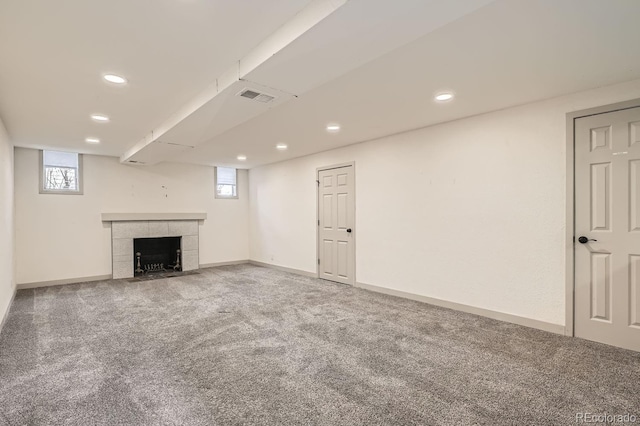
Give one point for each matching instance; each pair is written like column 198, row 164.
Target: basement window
column 60, row 172
column 226, row 182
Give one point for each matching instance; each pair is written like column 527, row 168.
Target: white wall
column 471, row 211
column 7, row 283
column 61, row 237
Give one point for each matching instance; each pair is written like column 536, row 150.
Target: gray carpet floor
column 250, row 345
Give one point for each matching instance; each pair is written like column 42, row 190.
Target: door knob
column 349, row 230
column 585, row 240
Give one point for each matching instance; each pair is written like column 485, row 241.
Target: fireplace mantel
column 131, row 217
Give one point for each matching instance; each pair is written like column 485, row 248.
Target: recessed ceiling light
column 99, row 117
column 281, row 146
column 444, row 96
column 112, row 78
column 92, row 140
column 333, row 128
column 241, row 157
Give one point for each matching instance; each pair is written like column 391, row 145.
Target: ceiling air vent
column 256, row 96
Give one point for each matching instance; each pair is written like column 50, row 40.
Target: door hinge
column 318, row 222
column 318, row 182
column 318, row 261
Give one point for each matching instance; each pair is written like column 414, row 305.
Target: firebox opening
column 156, row 255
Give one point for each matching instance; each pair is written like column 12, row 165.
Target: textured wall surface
column 472, row 211
column 7, row 283
column 63, row 237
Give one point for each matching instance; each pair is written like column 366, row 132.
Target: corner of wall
column 13, row 219
column 7, row 224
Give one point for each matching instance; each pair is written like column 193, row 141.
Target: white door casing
column 336, row 224
column 607, row 215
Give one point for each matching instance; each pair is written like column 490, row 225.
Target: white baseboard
column 231, row 262
column 501, row 316
column 25, row 286
column 6, row 313
column 284, row 269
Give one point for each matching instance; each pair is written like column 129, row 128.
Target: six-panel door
column 607, row 210
column 336, row 230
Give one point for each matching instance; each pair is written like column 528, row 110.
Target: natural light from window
column 226, row 182
column 60, row 171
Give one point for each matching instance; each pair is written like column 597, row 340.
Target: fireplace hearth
column 152, row 255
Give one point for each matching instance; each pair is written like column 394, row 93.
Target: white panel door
column 607, row 228
column 336, row 220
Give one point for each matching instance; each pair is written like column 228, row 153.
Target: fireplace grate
column 161, row 275
column 156, row 255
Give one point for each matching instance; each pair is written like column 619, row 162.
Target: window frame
column 43, row 190
column 215, row 185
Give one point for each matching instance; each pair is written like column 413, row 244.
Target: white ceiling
column 371, row 65
column 54, row 53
